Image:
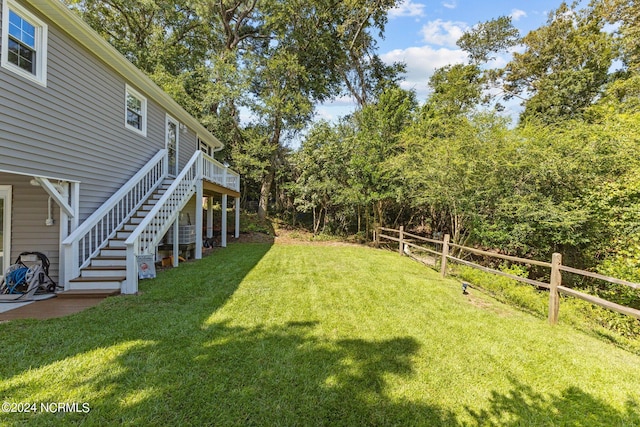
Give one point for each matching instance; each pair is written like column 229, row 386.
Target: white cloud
column 516, row 14
column 443, row 33
column 450, row 4
column 421, row 63
column 407, row 8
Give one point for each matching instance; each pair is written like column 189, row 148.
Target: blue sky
column 423, row 35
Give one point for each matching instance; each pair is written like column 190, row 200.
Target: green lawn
column 313, row 335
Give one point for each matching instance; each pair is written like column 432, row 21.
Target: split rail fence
column 407, row 240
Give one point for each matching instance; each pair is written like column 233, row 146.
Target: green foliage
column 249, row 222
column 489, row 38
column 564, row 67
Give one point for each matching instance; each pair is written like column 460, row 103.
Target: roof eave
column 82, row 33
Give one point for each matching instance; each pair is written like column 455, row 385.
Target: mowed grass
column 312, row 335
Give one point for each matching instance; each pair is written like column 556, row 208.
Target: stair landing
column 64, row 304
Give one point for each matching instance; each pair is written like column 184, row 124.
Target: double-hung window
column 135, row 111
column 24, row 43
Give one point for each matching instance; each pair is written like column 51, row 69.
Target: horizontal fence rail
column 407, row 240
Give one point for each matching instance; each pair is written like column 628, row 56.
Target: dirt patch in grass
column 252, row 237
column 292, row 237
column 484, row 304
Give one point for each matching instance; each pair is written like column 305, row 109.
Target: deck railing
column 233, row 180
column 86, row 241
column 144, row 239
column 218, row 173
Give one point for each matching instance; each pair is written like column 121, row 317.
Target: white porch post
column 237, row 209
column 209, row 217
column 223, row 227
column 131, row 284
column 75, row 203
column 176, row 240
column 199, row 220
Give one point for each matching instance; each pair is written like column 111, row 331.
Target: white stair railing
column 86, row 241
column 147, row 235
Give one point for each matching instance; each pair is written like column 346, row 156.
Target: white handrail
column 148, row 233
column 87, row 240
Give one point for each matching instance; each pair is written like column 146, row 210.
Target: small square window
column 135, row 111
column 24, row 43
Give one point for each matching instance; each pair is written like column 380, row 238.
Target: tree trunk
column 265, row 190
column 267, row 180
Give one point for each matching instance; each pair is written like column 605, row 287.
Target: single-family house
column 97, row 163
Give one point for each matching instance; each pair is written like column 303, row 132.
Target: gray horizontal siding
column 74, row 127
column 28, row 230
column 187, row 146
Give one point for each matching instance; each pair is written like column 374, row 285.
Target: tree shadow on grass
column 155, row 360
column 230, row 375
column 573, row 407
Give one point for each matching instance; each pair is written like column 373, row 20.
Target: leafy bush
column 250, row 222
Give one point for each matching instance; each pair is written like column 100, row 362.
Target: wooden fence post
column 554, row 282
column 445, row 252
column 401, row 242
column 376, row 236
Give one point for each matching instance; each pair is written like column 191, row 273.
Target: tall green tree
column 564, row 67
column 376, row 142
column 487, row 39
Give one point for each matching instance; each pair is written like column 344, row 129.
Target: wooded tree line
column 564, row 178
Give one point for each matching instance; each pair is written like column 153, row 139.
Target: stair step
column 117, row 243
column 129, row 228
column 86, row 283
column 109, row 261
column 113, row 252
column 124, row 235
column 103, row 271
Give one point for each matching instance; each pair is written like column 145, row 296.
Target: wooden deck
column 63, row 304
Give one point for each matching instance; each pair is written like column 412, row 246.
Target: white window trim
column 5, row 191
column 169, row 119
column 209, row 146
column 40, row 76
column 131, row 91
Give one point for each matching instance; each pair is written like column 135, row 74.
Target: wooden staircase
column 108, row 271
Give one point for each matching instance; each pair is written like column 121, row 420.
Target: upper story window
column 205, row 148
column 24, row 43
column 135, row 111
